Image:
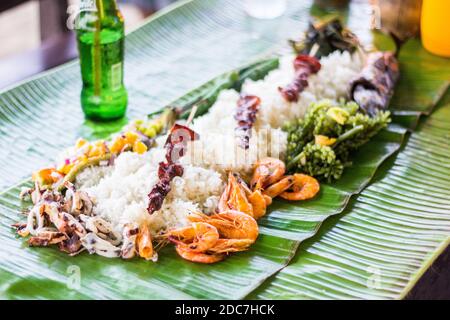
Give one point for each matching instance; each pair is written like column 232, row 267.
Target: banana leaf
column 47, row 273
column 40, row 117
column 205, row 96
column 301, row 221
column 388, row 236
column 281, row 232
column 420, row 90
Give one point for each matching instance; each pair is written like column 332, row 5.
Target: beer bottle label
column 116, row 76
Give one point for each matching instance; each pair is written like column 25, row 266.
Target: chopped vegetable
column 46, row 177
column 155, row 125
column 77, row 168
column 320, row 144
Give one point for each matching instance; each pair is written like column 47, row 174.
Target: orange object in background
column 435, row 26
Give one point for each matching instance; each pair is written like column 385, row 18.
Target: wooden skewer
column 314, row 50
column 191, row 115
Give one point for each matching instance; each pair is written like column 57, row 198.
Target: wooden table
column 58, row 43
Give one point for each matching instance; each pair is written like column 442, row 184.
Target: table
column 218, row 32
column 57, row 43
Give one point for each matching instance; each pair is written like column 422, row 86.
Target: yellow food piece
column 80, row 142
column 98, row 149
column 65, row 168
column 82, row 159
column 46, row 176
column 324, row 140
column 139, row 147
column 158, row 126
column 337, row 114
column 150, row 132
column 117, row 145
column 131, row 137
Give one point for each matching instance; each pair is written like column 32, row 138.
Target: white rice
column 121, row 196
column 121, row 191
column 331, row 82
column 217, row 147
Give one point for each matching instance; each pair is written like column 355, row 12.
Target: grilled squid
column 130, row 233
column 304, row 66
column 176, row 146
column 373, row 88
column 247, row 107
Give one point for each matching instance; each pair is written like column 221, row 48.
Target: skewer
column 305, row 65
column 191, row 115
column 314, row 50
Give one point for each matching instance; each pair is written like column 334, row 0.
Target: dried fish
column 373, row 88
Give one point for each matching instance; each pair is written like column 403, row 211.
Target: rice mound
column 121, row 196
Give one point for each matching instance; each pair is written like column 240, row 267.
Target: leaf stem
column 348, row 134
column 292, row 163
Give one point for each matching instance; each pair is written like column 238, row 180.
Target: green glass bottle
column 100, row 37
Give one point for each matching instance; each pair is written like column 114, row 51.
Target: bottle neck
column 103, row 7
column 106, row 7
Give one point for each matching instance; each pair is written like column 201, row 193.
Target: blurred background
column 34, row 36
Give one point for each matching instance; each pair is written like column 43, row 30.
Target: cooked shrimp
column 230, row 245
column 145, row 245
column 259, row 203
column 182, row 234
column 234, row 197
column 231, row 224
column 267, row 171
column 187, row 254
column 198, row 237
column 279, row 187
column 304, row 187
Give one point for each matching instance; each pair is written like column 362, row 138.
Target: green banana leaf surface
column 40, row 117
column 388, row 236
column 281, row 232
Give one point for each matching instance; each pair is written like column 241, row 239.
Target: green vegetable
column 349, row 127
